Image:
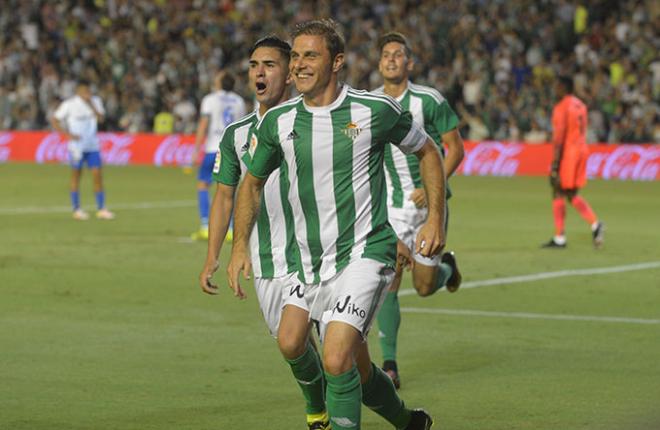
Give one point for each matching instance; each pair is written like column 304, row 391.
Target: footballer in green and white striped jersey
column 274, row 251
column 336, row 189
column 430, row 109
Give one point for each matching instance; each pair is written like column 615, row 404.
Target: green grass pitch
column 103, row 326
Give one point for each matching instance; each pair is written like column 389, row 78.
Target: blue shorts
column 93, row 160
column 206, row 169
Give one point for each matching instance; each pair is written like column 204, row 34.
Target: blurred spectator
column 496, row 58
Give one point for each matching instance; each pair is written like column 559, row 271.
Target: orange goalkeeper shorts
column 573, row 172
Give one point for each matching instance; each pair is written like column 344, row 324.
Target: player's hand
column 554, row 179
column 418, row 197
column 403, row 259
column 430, row 240
column 239, row 262
column 206, row 276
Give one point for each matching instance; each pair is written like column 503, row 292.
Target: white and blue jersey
column 78, row 118
column 222, row 108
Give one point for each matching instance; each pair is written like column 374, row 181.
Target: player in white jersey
column 330, row 144
column 406, row 197
column 77, row 119
column 219, row 108
column 272, row 243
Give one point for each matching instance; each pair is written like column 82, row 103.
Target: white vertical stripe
column 324, row 191
column 415, row 108
column 277, row 239
column 284, row 127
column 361, row 115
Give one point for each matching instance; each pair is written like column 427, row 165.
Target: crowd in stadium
column 494, row 61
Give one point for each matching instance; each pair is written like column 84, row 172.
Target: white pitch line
column 119, row 206
column 549, row 275
column 527, row 315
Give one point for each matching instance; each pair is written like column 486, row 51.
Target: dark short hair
column 83, row 83
column 566, row 82
column 272, row 41
column 394, row 36
column 322, row 27
column 227, row 81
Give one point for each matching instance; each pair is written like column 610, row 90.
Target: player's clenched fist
column 430, row 240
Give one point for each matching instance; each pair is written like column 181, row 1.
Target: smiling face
column 312, row 67
column 395, row 65
column 268, row 75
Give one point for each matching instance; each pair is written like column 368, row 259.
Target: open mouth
column 261, row 88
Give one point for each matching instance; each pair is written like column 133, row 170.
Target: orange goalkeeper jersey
column 569, row 124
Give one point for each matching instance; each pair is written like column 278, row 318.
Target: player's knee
column 290, row 346
column 336, row 362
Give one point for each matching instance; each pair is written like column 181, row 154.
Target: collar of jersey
column 338, row 101
column 403, row 94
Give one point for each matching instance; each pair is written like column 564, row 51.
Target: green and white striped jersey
column 332, row 159
column 432, row 111
column 272, row 244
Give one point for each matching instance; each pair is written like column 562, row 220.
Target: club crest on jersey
column 253, row 144
column 216, row 165
column 352, row 130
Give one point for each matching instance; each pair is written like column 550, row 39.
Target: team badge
column 253, row 144
column 352, row 130
column 216, row 165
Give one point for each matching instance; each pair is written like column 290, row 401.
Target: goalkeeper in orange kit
column 569, row 165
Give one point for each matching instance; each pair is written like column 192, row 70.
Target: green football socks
column 379, row 395
column 344, row 393
column 444, row 273
column 309, row 375
column 389, row 320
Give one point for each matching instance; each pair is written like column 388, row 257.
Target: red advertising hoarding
column 487, row 158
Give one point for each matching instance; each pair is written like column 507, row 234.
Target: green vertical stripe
column 292, row 252
column 342, row 167
column 397, row 191
column 413, row 167
column 302, row 147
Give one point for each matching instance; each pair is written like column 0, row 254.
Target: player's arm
column 200, row 135
column 558, row 138
column 57, row 122
column 431, row 238
column 266, row 157
column 219, row 217
column 455, row 151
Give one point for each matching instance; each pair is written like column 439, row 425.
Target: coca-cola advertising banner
column 492, row 158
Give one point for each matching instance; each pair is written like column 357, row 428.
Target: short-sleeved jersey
column 79, row 119
column 569, row 126
column 332, row 157
column 429, row 109
column 222, row 108
column 273, row 249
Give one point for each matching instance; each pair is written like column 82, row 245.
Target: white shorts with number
column 271, row 294
column 353, row 296
column 406, row 224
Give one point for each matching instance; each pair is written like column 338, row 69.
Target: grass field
column 102, row 325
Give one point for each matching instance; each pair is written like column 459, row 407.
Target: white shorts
column 353, row 296
column 406, row 224
column 271, row 293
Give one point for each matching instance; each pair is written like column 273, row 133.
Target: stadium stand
column 493, row 60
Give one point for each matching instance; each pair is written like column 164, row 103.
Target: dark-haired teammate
column 569, row 165
column 407, row 204
column 272, row 243
column 329, row 144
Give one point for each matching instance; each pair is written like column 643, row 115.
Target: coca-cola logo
column 492, row 159
column 172, row 150
column 626, row 162
column 5, row 151
column 115, row 148
column 51, row 149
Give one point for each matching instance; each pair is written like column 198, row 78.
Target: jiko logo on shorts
column 346, row 306
column 298, row 290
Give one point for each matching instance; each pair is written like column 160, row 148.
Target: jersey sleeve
column 401, row 130
column 227, row 166
column 558, row 125
column 62, row 111
column 443, row 117
column 207, row 106
column 265, row 150
column 98, row 105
